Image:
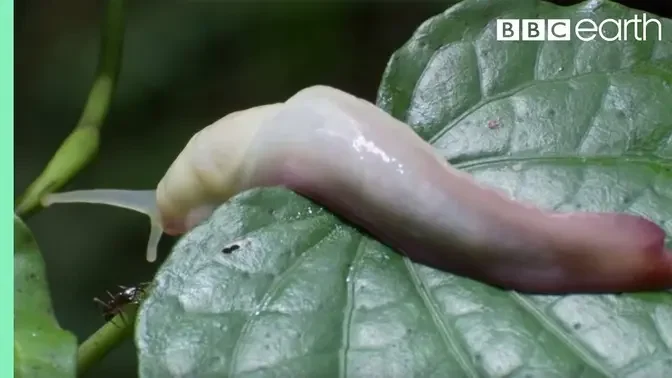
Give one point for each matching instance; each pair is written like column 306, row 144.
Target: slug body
column 373, row 170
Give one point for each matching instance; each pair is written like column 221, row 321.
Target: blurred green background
column 185, row 65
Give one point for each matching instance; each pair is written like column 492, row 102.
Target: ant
column 114, row 305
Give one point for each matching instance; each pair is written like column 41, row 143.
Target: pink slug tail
column 607, row 253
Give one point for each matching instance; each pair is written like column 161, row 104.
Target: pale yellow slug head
column 208, row 170
column 205, row 174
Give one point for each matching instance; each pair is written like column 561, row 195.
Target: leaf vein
column 348, row 309
column 556, row 158
column 591, row 122
column 447, row 334
column 552, row 327
column 514, row 91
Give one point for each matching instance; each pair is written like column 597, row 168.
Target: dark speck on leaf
column 577, row 326
column 551, row 112
column 230, row 249
column 245, row 275
column 620, row 114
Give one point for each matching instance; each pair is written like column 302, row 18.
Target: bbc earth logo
column 635, row 29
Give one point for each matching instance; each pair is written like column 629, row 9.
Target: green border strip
column 7, row 171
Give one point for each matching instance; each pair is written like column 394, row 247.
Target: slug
column 374, row 171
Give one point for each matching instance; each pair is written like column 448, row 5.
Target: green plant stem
column 106, row 338
column 81, row 146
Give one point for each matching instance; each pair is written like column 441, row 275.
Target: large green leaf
column 576, row 126
column 41, row 347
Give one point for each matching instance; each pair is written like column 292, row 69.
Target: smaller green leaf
column 41, row 347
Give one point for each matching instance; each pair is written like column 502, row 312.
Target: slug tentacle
column 143, row 201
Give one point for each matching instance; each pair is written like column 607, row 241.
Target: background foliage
column 184, row 66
